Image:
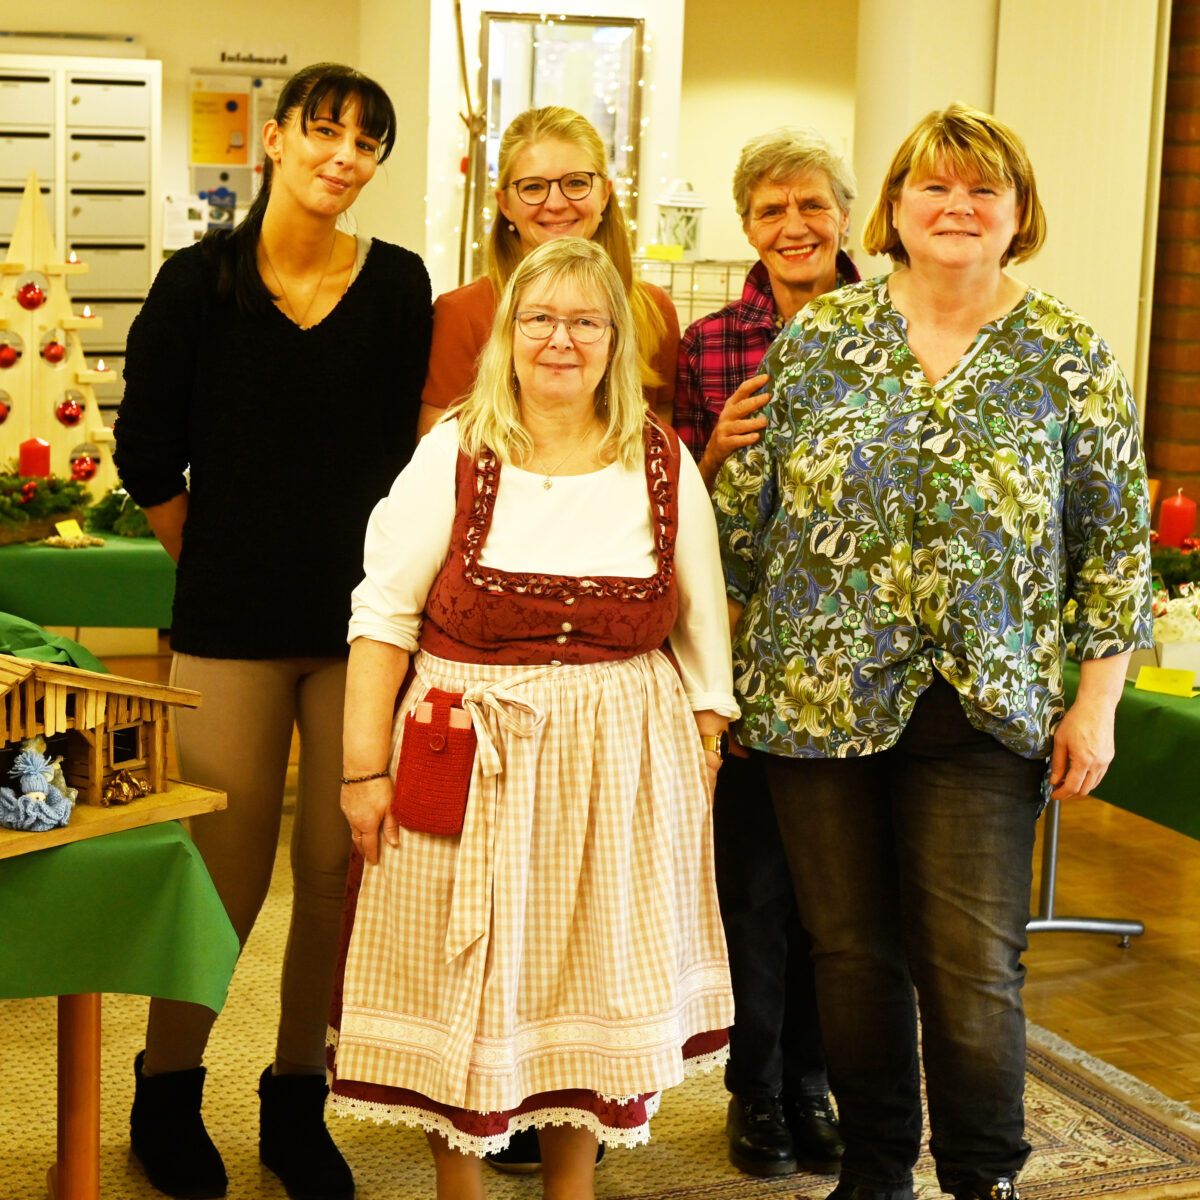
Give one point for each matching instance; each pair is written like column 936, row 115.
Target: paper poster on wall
column 264, row 95
column 220, row 128
column 212, row 160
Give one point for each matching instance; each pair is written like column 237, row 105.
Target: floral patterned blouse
column 884, row 528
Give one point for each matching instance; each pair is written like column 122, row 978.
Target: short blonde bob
column 975, row 145
column 504, row 251
column 491, row 414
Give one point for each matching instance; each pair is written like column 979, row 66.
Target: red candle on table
column 1176, row 519
column 35, row 457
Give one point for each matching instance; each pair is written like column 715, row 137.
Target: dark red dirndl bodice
column 480, row 614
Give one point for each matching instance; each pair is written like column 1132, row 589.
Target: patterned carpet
column 1095, row 1131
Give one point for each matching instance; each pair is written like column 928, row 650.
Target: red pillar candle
column 1176, row 519
column 35, row 458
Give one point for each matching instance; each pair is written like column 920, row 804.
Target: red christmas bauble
column 30, row 296
column 69, row 412
column 54, row 352
column 83, row 468
column 8, row 354
column 4, row 411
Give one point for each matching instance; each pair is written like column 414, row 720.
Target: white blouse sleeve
column 700, row 638
column 408, row 537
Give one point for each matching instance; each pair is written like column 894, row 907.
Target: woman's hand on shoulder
column 740, row 424
column 367, row 807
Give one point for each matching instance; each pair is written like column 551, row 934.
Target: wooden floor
column 1137, row 1009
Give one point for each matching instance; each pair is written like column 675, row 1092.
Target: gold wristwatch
column 718, row 743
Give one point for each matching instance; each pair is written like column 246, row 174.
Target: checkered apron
column 570, row 937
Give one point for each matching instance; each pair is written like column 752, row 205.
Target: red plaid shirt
column 721, row 351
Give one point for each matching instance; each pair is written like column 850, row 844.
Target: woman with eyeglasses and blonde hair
column 553, row 182
column 536, row 942
column 950, row 456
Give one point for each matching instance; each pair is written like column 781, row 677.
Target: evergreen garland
column 121, row 514
column 1175, row 566
column 25, row 498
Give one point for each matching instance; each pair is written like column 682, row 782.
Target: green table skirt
column 126, row 912
column 128, row 582
column 1154, row 773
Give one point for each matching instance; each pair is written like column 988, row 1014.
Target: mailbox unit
column 90, row 128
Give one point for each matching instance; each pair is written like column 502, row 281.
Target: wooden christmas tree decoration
column 49, row 419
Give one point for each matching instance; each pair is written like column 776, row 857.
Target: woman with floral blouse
column 951, row 457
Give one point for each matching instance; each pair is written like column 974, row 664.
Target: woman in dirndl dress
column 549, row 955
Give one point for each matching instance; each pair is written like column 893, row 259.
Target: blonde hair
column 973, row 144
column 491, row 414
column 556, row 124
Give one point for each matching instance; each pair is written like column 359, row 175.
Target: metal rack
column 699, row 287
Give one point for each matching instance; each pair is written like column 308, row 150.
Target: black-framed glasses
column 539, row 326
column 533, row 189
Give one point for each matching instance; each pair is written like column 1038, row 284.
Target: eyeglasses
column 533, row 189
column 539, row 326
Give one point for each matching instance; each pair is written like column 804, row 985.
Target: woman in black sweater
column 280, row 366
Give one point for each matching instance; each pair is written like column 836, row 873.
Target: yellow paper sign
column 220, row 128
column 1166, row 679
column 68, row 529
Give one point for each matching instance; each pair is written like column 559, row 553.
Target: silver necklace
column 299, row 317
column 547, row 481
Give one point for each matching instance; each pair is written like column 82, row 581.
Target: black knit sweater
column 292, row 436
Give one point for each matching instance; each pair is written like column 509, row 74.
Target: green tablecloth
column 127, row 912
column 128, row 582
column 1154, row 773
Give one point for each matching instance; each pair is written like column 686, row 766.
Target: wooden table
column 130, row 911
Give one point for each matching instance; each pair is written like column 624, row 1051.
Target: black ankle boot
column 293, row 1141
column 168, row 1136
column 815, row 1137
column 759, row 1141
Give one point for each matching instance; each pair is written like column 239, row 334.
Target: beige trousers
column 239, row 740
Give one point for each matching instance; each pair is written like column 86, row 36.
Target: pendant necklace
column 547, row 481
column 299, row 317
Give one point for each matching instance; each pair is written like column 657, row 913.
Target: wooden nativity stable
column 99, row 724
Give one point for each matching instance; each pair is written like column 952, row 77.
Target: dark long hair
column 321, row 86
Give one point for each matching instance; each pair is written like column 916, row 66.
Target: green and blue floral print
column 883, row 528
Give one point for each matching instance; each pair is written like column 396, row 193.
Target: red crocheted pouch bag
column 433, row 775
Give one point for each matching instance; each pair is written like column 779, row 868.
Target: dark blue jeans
column 775, row 1041
column 913, row 868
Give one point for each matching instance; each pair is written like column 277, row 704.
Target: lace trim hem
column 558, row 587
column 431, row 1122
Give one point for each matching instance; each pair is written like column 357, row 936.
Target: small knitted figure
column 39, row 805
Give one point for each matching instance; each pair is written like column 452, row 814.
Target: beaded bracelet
column 363, row 778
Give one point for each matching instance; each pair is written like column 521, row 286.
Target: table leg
column 1046, row 920
column 77, row 1172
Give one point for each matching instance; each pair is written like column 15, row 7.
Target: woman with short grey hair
column 793, row 192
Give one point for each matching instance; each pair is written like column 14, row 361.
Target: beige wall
column 191, row 35
column 1097, row 160
column 394, row 38
column 748, row 66
column 913, row 56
